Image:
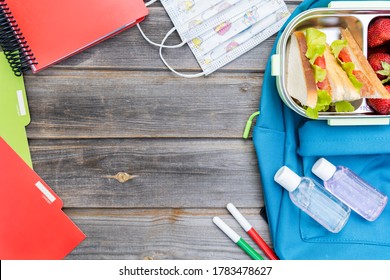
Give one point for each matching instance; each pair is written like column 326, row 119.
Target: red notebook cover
column 57, row 29
column 32, row 224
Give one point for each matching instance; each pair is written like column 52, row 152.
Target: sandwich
column 359, row 71
column 314, row 77
column 321, row 76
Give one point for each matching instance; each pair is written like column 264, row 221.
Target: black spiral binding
column 14, row 45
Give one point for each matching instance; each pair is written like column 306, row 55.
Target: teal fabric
column 282, row 137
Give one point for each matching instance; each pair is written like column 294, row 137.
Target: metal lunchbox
column 329, row 20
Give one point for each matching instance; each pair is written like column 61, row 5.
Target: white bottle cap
column 287, row 178
column 323, row 169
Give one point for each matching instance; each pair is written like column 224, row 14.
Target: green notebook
column 14, row 113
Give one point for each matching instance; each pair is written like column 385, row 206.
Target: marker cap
column 226, row 229
column 239, row 217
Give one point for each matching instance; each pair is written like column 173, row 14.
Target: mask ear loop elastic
column 150, row 41
column 166, row 63
column 150, row 2
column 158, row 45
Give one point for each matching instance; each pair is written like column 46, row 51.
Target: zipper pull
column 248, row 125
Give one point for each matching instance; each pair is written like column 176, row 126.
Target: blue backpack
column 282, row 137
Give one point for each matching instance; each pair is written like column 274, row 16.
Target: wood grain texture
column 129, row 50
column 161, row 234
column 114, row 111
column 119, row 104
column 171, row 173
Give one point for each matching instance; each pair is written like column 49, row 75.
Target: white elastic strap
column 158, row 45
column 150, row 3
column 150, row 41
column 169, row 67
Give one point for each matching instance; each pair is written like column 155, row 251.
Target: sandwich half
column 314, row 77
column 301, row 83
column 355, row 65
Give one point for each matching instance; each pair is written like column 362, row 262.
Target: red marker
column 251, row 232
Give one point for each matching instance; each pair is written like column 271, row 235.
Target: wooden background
column 116, row 108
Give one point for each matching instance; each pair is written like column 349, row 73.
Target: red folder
column 32, row 224
column 57, row 29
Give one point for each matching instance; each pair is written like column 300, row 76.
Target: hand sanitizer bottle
column 314, row 199
column 364, row 199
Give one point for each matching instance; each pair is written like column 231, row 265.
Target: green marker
column 237, row 239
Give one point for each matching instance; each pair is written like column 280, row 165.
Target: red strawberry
column 380, row 62
column 382, row 106
column 380, row 49
column 379, row 32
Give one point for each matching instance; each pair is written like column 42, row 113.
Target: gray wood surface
column 159, row 234
column 140, row 104
column 172, row 173
column 143, row 159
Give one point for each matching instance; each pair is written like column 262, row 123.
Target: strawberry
column 382, row 106
column 379, row 32
column 380, row 62
column 380, row 49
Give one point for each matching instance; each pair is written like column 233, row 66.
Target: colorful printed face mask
column 219, row 31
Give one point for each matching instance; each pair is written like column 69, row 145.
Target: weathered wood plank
column 160, row 234
column 120, row 89
column 171, row 173
column 129, row 50
column 119, row 104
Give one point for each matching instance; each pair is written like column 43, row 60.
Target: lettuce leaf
column 348, row 67
column 337, row 46
column 344, row 106
column 323, row 102
column 315, row 37
column 311, row 113
column 319, row 73
column 315, row 40
column 315, row 51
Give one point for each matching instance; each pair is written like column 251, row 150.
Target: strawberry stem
column 385, row 72
column 385, row 80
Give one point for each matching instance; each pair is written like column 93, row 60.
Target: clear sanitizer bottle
column 360, row 196
column 314, row 199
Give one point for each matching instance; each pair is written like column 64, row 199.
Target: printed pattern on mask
column 244, row 41
column 202, row 15
column 229, row 29
column 219, row 31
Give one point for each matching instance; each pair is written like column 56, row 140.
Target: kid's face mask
column 219, row 31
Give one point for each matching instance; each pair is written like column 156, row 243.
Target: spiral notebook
column 33, row 226
column 14, row 112
column 36, row 34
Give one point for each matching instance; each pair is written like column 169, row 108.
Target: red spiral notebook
column 32, row 224
column 52, row 30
